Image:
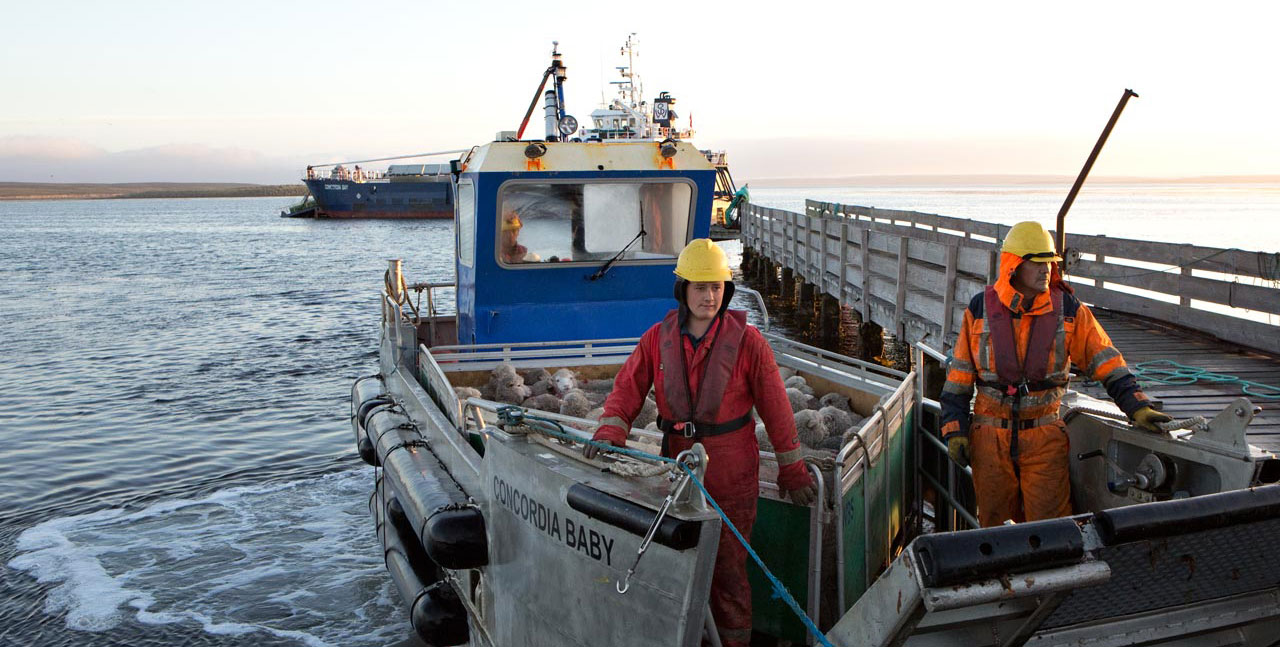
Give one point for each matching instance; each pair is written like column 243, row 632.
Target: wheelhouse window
column 592, row 222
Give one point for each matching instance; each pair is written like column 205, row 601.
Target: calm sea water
column 178, row 466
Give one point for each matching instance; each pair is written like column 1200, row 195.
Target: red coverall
column 1036, row 485
column 733, row 469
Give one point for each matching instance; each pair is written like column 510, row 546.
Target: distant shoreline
column 144, row 190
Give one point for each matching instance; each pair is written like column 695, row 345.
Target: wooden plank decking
column 1141, row 340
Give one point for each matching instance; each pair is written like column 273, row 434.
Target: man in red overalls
column 1016, row 347
column 708, row 368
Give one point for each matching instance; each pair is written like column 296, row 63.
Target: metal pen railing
column 955, row 472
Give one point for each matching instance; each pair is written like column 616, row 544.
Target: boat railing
column 344, row 175
column 483, row 357
column 430, row 289
column 764, row 309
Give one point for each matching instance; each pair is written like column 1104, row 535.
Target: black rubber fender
column 366, row 408
column 439, row 617
column 954, row 557
column 366, row 451
column 1181, row 516
column 427, row 571
column 365, row 412
column 455, row 537
column 633, row 518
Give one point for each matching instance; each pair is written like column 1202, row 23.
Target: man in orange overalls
column 1017, row 344
column 708, row 368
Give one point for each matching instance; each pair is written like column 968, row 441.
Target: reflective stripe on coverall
column 733, row 472
column 1035, row 485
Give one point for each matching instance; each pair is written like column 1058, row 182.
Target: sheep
column 798, row 382
column 595, row 414
column 762, row 437
column 598, row 386
column 799, row 400
column 564, row 381
column 575, row 404
column 648, row 413
column 837, row 400
column 809, row 428
column 541, row 386
column 464, row 392
column 507, row 386
column 832, row 443
column 536, row 375
column 544, row 402
column 835, row 419
column 786, row 373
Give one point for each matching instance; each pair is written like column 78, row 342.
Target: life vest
column 678, row 407
column 1033, row 371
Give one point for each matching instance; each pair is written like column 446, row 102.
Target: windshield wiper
column 605, row 268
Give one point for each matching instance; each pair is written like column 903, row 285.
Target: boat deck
column 1143, row 340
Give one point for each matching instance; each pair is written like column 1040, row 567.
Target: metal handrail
column 764, row 309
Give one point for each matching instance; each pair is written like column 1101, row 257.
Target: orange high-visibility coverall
column 1021, row 473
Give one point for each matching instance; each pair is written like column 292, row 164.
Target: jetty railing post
column 866, row 275
column 841, row 286
column 900, row 307
column 948, row 297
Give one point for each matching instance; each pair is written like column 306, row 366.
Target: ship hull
column 426, row 198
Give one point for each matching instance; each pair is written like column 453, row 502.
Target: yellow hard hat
column 1030, row 241
column 703, row 260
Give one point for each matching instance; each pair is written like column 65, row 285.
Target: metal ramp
column 1198, row 571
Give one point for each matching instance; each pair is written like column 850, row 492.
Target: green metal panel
column 781, row 537
column 869, row 546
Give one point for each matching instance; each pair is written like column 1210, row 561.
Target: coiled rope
column 1166, row 371
column 515, row 415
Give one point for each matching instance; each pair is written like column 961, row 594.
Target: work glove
column 590, row 451
column 958, row 448
column 1146, row 418
column 607, row 435
column 804, row 496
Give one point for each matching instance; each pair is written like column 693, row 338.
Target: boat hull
column 429, row 198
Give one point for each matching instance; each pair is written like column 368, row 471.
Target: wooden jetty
column 912, row 274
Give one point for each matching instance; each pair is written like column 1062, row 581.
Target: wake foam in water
column 296, row 560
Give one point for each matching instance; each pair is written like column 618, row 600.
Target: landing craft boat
column 345, row 190
column 496, row 531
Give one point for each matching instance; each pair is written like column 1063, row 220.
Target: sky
column 254, row 91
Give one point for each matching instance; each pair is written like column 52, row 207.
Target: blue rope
column 1165, row 371
column 779, row 589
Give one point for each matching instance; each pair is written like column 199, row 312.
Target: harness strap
column 703, row 429
column 1012, row 389
column 1005, row 423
